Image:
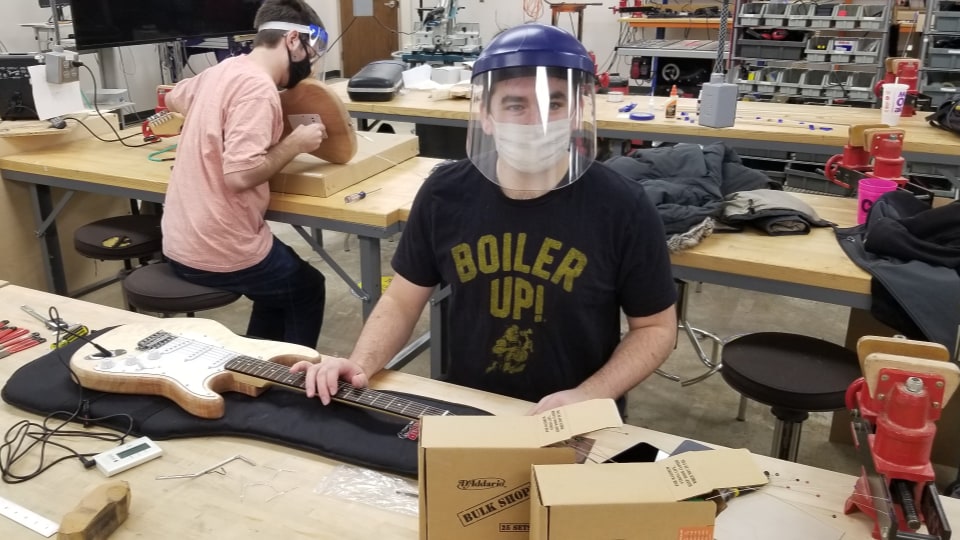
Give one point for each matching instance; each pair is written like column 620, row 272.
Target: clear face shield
column 313, row 38
column 532, row 129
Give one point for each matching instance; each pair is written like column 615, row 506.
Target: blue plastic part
column 812, row 127
column 826, row 128
column 641, row 116
column 628, row 107
column 533, row 44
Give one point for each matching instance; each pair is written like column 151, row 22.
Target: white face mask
column 528, row 149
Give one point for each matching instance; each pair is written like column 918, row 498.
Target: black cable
column 96, row 107
column 85, row 126
column 387, row 27
column 32, row 434
column 330, row 46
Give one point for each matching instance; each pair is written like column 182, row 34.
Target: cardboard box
column 475, row 470
column 376, row 152
column 634, row 501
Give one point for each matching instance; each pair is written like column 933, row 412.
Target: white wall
column 140, row 70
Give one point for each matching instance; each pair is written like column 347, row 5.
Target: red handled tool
column 12, row 333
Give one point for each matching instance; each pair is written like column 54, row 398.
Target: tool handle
column 13, row 334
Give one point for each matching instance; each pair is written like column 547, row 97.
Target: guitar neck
column 346, row 393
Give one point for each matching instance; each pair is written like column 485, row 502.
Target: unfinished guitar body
column 312, row 97
column 188, row 368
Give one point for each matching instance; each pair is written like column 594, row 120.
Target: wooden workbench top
column 112, row 165
column 920, row 137
column 277, row 499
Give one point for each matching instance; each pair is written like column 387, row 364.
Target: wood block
column 376, row 152
column 874, row 362
column 99, row 513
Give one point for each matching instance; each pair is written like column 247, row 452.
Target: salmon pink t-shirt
column 233, row 117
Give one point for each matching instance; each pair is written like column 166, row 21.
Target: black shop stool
column 122, row 238
column 157, row 289
column 794, row 374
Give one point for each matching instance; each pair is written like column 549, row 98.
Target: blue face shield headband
column 316, row 37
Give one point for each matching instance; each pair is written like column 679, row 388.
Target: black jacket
column 687, row 183
column 913, row 254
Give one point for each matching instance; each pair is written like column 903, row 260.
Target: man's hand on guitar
column 322, row 378
column 308, row 137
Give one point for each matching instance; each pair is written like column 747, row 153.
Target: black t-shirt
column 536, row 285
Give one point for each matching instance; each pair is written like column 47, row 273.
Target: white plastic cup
column 894, row 95
column 615, row 97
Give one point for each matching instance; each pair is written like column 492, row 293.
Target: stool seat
column 119, row 238
column 157, row 288
column 790, row 370
column 793, row 374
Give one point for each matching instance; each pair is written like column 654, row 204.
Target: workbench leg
column 438, row 332
column 370, row 273
column 42, row 203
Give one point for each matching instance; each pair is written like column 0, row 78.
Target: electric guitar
column 192, row 361
column 163, row 124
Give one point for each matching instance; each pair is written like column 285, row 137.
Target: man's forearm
column 276, row 158
column 639, row 354
column 386, row 332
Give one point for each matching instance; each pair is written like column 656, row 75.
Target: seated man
column 541, row 246
column 214, row 232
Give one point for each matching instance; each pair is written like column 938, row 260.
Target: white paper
column 53, row 99
column 303, row 119
column 760, row 516
column 414, row 77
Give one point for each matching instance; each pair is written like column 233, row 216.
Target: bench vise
column 904, row 388
column 871, row 150
column 905, row 71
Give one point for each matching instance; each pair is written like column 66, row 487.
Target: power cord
column 21, row 438
column 96, row 107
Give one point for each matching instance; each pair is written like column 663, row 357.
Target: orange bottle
column 670, row 110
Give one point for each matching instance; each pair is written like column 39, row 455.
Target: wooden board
column 313, row 97
column 376, row 152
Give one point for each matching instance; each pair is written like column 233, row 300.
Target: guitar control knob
column 106, row 364
column 131, row 360
column 153, row 355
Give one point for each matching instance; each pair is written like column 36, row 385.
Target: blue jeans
column 288, row 294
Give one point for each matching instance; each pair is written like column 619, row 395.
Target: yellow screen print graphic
column 522, row 275
column 512, row 350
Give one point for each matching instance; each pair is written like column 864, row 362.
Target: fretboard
column 364, row 397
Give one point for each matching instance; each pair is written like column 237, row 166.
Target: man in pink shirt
column 214, row 232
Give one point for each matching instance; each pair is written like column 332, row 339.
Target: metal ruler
column 29, row 519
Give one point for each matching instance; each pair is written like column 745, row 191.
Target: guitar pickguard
column 186, row 360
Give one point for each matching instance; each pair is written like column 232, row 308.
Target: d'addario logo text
column 481, row 483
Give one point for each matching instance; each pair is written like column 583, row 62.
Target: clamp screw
column 884, row 377
column 914, row 385
column 936, row 404
column 939, row 384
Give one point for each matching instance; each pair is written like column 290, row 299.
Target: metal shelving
column 940, row 52
column 844, row 40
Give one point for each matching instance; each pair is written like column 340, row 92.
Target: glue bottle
column 670, row 109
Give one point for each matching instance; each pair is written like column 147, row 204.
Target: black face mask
column 298, row 71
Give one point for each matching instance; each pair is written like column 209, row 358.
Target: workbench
column 91, row 166
column 922, row 142
column 276, row 497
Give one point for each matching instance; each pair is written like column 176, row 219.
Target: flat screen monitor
column 16, row 94
column 112, row 23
